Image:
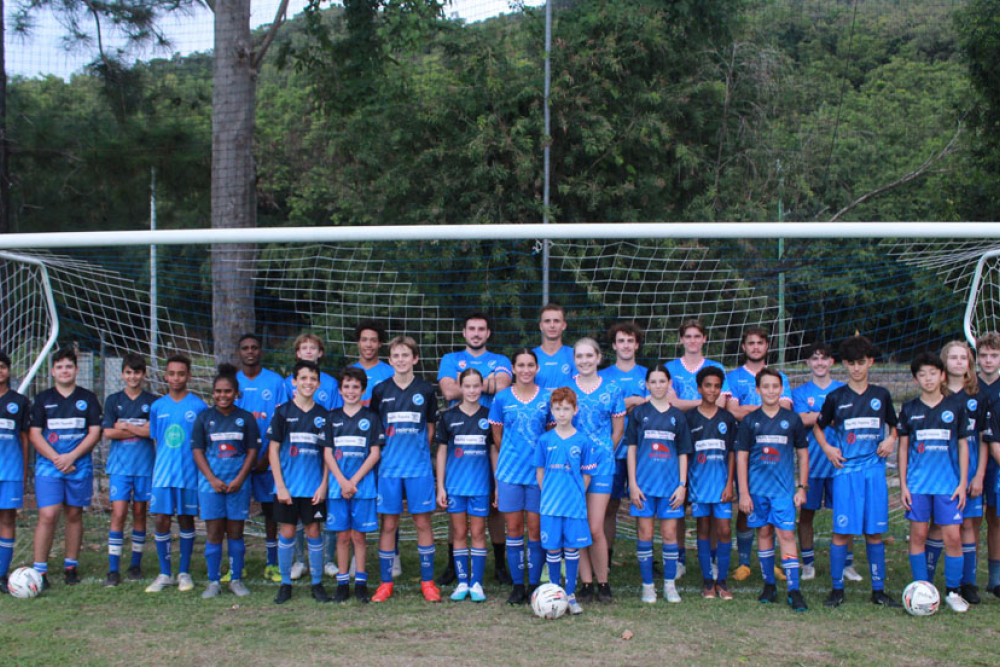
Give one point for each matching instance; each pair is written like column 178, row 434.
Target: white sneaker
column 461, row 592
column 851, row 574
column 476, row 593
column 184, row 582
column 670, row 591
column 648, row 593
column 808, row 572
column 213, row 590
column 574, row 607
column 957, row 602
column 352, row 570
column 681, row 570
column 161, row 582
column 397, row 567
column 238, row 588
column 298, row 569
column 330, row 569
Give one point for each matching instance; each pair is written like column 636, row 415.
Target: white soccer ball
column 549, row 601
column 24, row 582
column 921, row 598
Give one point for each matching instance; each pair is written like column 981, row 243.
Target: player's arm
column 739, row 411
column 680, row 493
column 347, row 490
column 963, row 472
column 633, row 401
column 979, row 474
column 834, row 454
column 198, row 454
column 274, row 458
column 539, row 475
column 803, row 485
column 902, row 459
column 374, row 454
column 636, row 495
column 617, row 430
column 742, row 467
column 450, row 388
column 24, row 454
column 887, row 446
column 442, row 458
column 252, row 434
column 501, row 380
column 323, row 490
column 87, row 444
column 727, row 491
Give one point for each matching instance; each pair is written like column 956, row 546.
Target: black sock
column 500, row 555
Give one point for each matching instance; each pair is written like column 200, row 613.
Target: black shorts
column 302, row 510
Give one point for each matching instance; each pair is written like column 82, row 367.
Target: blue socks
column 360, row 577
column 838, row 561
column 272, row 551
column 461, row 560
column 682, row 555
column 115, row 540
column 725, row 551
column 515, row 559
column 41, row 568
column 479, row 565
column 876, row 565
column 969, row 567
column 791, row 568
column 644, row 552
column 6, row 555
column 70, row 562
column 163, row 552
column 237, row 557
column 427, row 562
column 953, row 571
column 286, row 554
column 918, row 566
column 808, row 556
column 670, row 557
column 385, row 559
column 744, row 546
column 536, row 561
column 766, row 558
column 138, row 544
column 213, row 560
column 572, row 567
column 994, row 573
column 315, row 545
column 934, row 549
column 705, row 559
column 187, row 549
column 553, row 559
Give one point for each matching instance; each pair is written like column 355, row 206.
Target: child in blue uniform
column 933, row 471
column 15, row 415
column 129, row 466
column 224, row 444
column 659, row 446
column 463, row 481
column 767, row 445
column 564, row 461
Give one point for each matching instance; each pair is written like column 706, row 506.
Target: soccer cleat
column 603, row 593
column 796, row 601
column 769, row 594
column 361, row 593
column 330, row 569
column 586, row 593
column 70, row 576
column 460, row 593
column 648, row 593
column 298, row 569
column 530, row 591
column 383, row 592
column 741, row 573
column 448, row 577
column 996, row 591
column 284, row 594
column 273, row 573
column 3, row 585
column 708, row 589
column 319, row 593
column 239, row 589
column 184, row 582
column 227, row 577
column 397, row 567
column 971, row 593
column 431, row 592
column 476, row 593
column 134, row 573
column 681, row 571
column 213, row 590
column 956, row 602
column 779, row 573
column 880, row 598
column 808, row 572
column 45, row 582
column 670, row 591
column 835, row 598
column 574, row 607
column 343, row 593
column 517, row 595
column 161, row 582
column 113, row 579
column 851, row 574
column 545, row 576
column 723, row 591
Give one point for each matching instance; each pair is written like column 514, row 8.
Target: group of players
column 541, row 448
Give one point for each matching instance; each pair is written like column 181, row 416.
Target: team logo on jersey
column 418, row 399
column 293, row 451
column 266, row 394
column 239, row 421
column 876, row 404
column 842, row 520
column 322, row 396
column 461, row 363
column 484, row 424
column 723, row 428
column 189, row 416
column 770, row 454
column 364, row 424
column 972, row 404
column 12, row 408
column 851, row 438
column 565, row 369
column 784, row 423
column 492, row 364
column 702, row 458
column 947, row 416
column 545, row 537
column 173, row 437
column 319, row 422
column 390, row 431
column 574, row 452
column 605, row 399
column 81, row 404
column 145, row 407
column 459, row 452
column 920, row 448
column 338, row 455
column 227, row 449
column 811, row 401
column 53, row 438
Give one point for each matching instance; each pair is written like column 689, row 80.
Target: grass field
column 89, row 624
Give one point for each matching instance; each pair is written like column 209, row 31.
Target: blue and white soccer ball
column 549, row 601
column 921, row 598
column 24, row 582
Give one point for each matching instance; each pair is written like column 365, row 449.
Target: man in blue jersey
column 370, row 336
column 988, row 357
column 407, row 407
column 497, row 375
column 933, row 472
column 555, row 360
column 65, row 427
column 261, row 392
column 129, row 466
column 15, row 416
column 175, row 476
column 767, row 446
column 865, row 421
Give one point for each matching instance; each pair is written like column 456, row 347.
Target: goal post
column 29, row 326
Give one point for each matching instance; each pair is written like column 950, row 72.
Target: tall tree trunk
column 4, row 164
column 234, row 201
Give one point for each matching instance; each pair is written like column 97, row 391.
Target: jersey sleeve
column 903, row 423
column 448, row 367
column 828, row 413
column 276, row 431
column 496, row 409
column 890, row 410
column 732, row 430
column 24, row 419
column 631, row 438
column 799, row 435
column 38, row 414
column 540, row 450
column 93, row 411
column 431, row 405
column 504, row 366
column 441, row 432
column 198, row 432
column 744, row 437
column 682, row 442
column 962, row 419
column 786, row 387
column 727, row 389
column 253, row 433
column 618, row 409
column 109, row 417
column 800, row 402
column 376, row 437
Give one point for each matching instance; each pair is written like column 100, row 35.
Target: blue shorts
column 657, row 507
column 174, row 500
column 471, row 505
column 820, row 494
column 973, row 508
column 518, row 497
column 263, row 486
column 351, row 514
column 560, row 532
column 940, row 506
column 232, row 506
column 619, row 485
column 421, row 496
column 59, row 491
column 12, row 495
column 718, row 510
column 601, row 484
column 861, row 501
column 779, row 512
column 990, row 483
column 130, row 488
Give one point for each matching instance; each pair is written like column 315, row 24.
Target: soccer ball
column 920, row 598
column 24, row 582
column 549, row 601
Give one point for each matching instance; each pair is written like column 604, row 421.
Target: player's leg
column 386, row 552
column 597, row 507
column 74, row 540
column 162, row 537
column 8, row 526
column 722, row 519
column 312, row 528
column 669, row 532
column 215, row 531
column 477, row 532
column 237, row 512
column 345, row 539
column 765, row 554
column 790, row 564
column 806, row 544
column 425, row 550
column 360, row 544
column 952, row 536
column 971, row 524
column 512, row 502
column 287, row 521
column 535, row 552
column 497, row 527
column 935, row 547
column 702, row 514
column 116, row 531
column 140, row 514
column 48, row 519
column 185, row 524
column 848, row 520
column 644, row 554
column 611, row 524
column 458, row 529
column 876, row 522
column 448, row 574
column 744, row 547
column 918, row 549
column 993, row 548
column 271, row 570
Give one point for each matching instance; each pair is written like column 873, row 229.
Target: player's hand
column 496, row 500
column 671, row 395
column 637, row 497
column 282, row 496
column 443, row 499
column 904, row 496
column 885, row 448
column 319, row 497
column 975, row 487
column 234, row 485
column 348, row 489
column 835, row 456
column 959, row 495
column 677, row 498
column 785, row 402
column 64, row 462
column 727, row 495
column 746, row 504
column 218, row 485
column 800, row 497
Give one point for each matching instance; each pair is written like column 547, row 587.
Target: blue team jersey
column 743, row 385
column 810, row 398
column 405, row 414
column 453, row 363
column 468, row 439
column 65, row 422
column 301, row 437
column 772, row 442
column 632, row 383
column 376, row 374
column 565, row 462
column 225, row 439
column 932, row 443
column 15, row 416
column 327, row 394
column 977, row 412
column 170, row 425
column 261, row 396
column 595, row 416
column 860, row 421
column 713, row 441
column 130, row 456
column 523, row 424
column 660, row 438
column 555, row 370
column 352, row 438
column 685, row 382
